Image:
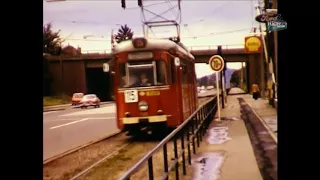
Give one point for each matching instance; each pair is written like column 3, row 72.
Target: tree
column 51, row 40
column 124, row 33
column 51, row 46
column 235, row 77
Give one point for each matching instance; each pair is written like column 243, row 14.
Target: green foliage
column 56, row 100
column 51, row 40
column 124, row 33
column 235, row 78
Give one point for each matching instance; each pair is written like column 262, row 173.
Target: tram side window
column 184, row 72
column 171, row 67
column 122, row 75
column 162, row 78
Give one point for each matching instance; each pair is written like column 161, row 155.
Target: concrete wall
column 74, row 68
column 253, row 62
column 74, row 79
column 73, row 72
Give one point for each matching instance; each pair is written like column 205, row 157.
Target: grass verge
column 56, row 100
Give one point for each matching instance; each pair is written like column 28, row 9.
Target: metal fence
column 215, row 47
column 193, row 129
column 190, row 48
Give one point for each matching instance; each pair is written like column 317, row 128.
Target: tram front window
column 143, row 74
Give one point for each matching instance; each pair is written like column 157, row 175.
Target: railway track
column 114, row 154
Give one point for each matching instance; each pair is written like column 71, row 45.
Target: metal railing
column 102, row 51
column 215, row 47
column 194, row 128
column 190, row 48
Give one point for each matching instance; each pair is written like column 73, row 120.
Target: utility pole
column 262, row 68
column 222, row 79
column 61, row 64
column 241, row 76
column 61, row 68
column 262, row 64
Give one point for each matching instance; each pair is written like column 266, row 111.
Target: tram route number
column 153, row 93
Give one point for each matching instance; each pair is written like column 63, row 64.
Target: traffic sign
column 216, row 63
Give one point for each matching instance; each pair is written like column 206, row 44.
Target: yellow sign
column 252, row 44
column 153, row 93
column 142, row 93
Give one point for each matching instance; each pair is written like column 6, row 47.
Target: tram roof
column 152, row 44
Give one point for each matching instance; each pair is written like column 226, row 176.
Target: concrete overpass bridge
column 233, row 53
column 71, row 73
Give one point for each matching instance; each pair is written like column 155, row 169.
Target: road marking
column 81, row 120
column 102, row 110
column 48, row 112
column 78, row 119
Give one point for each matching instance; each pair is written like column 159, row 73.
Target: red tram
column 154, row 84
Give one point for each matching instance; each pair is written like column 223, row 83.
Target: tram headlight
column 143, row 106
column 127, row 114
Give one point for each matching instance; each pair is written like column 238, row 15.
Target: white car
column 210, row 87
column 90, row 100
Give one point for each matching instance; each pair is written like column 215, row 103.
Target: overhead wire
column 186, row 37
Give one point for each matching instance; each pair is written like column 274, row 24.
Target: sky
column 89, row 23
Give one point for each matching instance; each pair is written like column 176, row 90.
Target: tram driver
column 144, row 80
column 132, row 80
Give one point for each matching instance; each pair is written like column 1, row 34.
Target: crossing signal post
column 216, row 63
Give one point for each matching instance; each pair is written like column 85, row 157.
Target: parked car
column 210, row 87
column 90, row 100
column 76, row 98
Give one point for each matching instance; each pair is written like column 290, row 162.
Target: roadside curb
column 58, row 109
column 275, row 138
column 78, row 148
column 63, row 107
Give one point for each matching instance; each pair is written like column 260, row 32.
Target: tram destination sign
column 216, row 63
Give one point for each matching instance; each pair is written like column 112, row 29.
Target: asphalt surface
column 67, row 129
column 73, row 127
column 236, row 90
column 207, row 93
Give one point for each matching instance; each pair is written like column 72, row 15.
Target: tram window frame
column 184, row 65
column 159, row 71
column 171, row 68
column 156, row 71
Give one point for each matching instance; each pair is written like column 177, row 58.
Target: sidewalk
column 265, row 111
column 226, row 152
column 261, row 108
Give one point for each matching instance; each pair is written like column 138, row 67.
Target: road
column 73, row 127
column 236, row 90
column 207, row 93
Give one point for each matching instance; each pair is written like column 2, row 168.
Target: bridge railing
column 103, row 51
column 190, row 133
column 215, row 47
column 190, row 48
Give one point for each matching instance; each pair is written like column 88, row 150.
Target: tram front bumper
column 148, row 119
